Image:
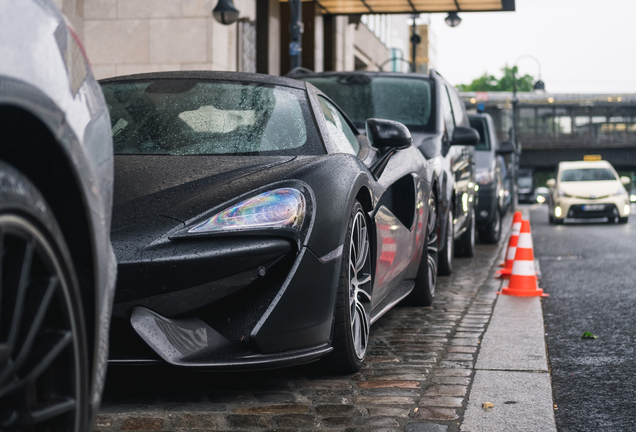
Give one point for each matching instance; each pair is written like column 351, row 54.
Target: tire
column 43, row 348
column 623, row 220
column 551, row 219
column 447, row 251
column 424, row 290
column 492, row 233
column 558, row 221
column 353, row 303
column 465, row 246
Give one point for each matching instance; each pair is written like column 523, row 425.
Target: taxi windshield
column 587, row 174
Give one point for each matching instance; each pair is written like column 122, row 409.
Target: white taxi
column 588, row 189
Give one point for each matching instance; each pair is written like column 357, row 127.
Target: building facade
column 134, row 36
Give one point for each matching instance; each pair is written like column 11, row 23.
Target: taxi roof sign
column 591, row 158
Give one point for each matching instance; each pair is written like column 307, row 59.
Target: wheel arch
column 52, row 172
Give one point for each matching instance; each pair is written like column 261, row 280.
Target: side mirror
column 625, row 180
column 551, row 183
column 388, row 134
column 465, row 136
column 506, row 148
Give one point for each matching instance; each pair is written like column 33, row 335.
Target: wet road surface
column 589, row 270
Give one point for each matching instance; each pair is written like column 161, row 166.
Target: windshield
column 524, row 182
column 587, row 174
column 189, row 117
column 406, row 100
column 479, row 124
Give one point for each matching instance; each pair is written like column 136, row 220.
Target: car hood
column 483, row 160
column 428, row 143
column 147, row 185
column 587, row 189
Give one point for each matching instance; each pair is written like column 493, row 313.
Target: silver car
column 57, row 268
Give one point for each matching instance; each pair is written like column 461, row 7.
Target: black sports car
column 255, row 227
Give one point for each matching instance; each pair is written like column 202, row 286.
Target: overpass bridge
column 557, row 127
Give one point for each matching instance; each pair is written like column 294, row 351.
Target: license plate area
column 594, row 207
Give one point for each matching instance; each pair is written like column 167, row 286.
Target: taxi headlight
column 632, row 198
column 561, row 193
column 626, row 209
column 557, row 211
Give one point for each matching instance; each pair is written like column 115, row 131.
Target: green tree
column 491, row 83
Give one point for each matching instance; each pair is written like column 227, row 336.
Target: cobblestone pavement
column 416, row 376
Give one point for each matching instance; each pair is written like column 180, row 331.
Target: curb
column 511, row 371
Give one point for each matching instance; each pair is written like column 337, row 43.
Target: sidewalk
column 512, row 371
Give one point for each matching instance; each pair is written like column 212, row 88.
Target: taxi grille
column 586, row 211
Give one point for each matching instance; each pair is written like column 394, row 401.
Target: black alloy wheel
column 466, row 243
column 43, row 351
column 353, row 304
column 447, row 251
column 492, row 233
column 426, row 280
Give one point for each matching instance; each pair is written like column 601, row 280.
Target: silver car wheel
column 359, row 284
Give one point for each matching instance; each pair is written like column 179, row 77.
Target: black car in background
column 525, row 185
column 490, row 174
column 255, row 227
column 57, row 267
column 434, row 113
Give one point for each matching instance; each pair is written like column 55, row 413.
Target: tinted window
column 188, row 117
column 338, row 129
column 587, row 174
column 484, row 140
column 405, row 100
column 458, row 107
column 447, row 112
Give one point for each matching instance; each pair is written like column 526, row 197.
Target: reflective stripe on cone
column 516, row 219
column 523, row 279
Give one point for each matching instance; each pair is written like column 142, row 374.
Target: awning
column 346, row 7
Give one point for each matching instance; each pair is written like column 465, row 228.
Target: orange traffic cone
column 512, row 247
column 523, row 280
column 516, row 219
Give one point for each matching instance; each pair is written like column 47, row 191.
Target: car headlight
column 561, row 193
column 484, row 177
column 278, row 208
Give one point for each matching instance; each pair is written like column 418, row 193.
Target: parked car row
column 257, row 221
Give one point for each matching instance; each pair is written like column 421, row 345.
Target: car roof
column 584, row 164
column 210, row 75
column 308, row 74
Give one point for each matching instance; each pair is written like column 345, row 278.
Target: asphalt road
column 589, row 270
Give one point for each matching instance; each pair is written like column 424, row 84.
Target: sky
column 583, row 46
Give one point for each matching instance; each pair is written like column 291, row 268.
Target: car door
column 395, row 218
column 463, row 163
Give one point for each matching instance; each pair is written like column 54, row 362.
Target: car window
column 338, row 129
column 479, row 124
column 406, row 100
column 191, row 117
column 587, row 174
column 447, row 112
column 457, row 106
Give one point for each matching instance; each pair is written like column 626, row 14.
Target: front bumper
column 577, row 208
column 269, row 306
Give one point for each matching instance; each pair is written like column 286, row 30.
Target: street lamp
column 225, row 12
column 453, row 20
column 538, row 85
